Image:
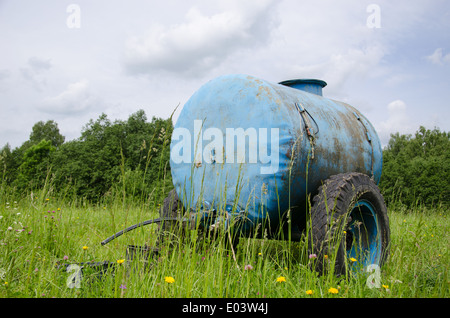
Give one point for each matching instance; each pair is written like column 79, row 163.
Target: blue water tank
column 256, row 149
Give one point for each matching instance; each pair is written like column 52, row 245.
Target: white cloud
column 189, row 42
column 396, row 79
column 438, row 57
column 396, row 107
column 75, row 99
column 201, row 42
column 5, row 74
column 326, row 41
column 38, row 64
column 398, row 120
column 34, row 72
column 339, row 68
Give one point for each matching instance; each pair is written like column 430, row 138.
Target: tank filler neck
column 313, row 86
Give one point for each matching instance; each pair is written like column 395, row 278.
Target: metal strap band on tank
column 369, row 139
column 308, row 128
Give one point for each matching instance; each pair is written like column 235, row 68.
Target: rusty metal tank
column 256, row 150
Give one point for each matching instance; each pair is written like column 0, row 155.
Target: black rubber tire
column 334, row 209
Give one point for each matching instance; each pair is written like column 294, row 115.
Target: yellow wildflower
column 169, row 279
column 352, row 259
column 85, row 247
column 309, row 292
column 333, row 290
column 385, row 286
column 281, row 279
column 120, row 261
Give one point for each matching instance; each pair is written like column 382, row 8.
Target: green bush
column 416, row 169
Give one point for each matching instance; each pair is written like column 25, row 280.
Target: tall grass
column 39, row 231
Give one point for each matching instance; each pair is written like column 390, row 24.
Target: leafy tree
column 19, row 165
column 6, row 163
column 128, row 156
column 36, row 163
column 48, row 131
column 416, row 169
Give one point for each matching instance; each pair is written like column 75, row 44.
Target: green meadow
column 40, row 233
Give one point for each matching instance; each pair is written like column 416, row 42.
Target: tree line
column 131, row 157
column 122, row 156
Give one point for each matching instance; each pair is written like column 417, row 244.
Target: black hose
column 158, row 220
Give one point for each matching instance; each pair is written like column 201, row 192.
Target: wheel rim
column 363, row 239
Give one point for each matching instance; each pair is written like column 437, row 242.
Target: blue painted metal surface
column 313, row 86
column 294, row 140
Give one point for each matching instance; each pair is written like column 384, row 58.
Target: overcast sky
column 70, row 61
